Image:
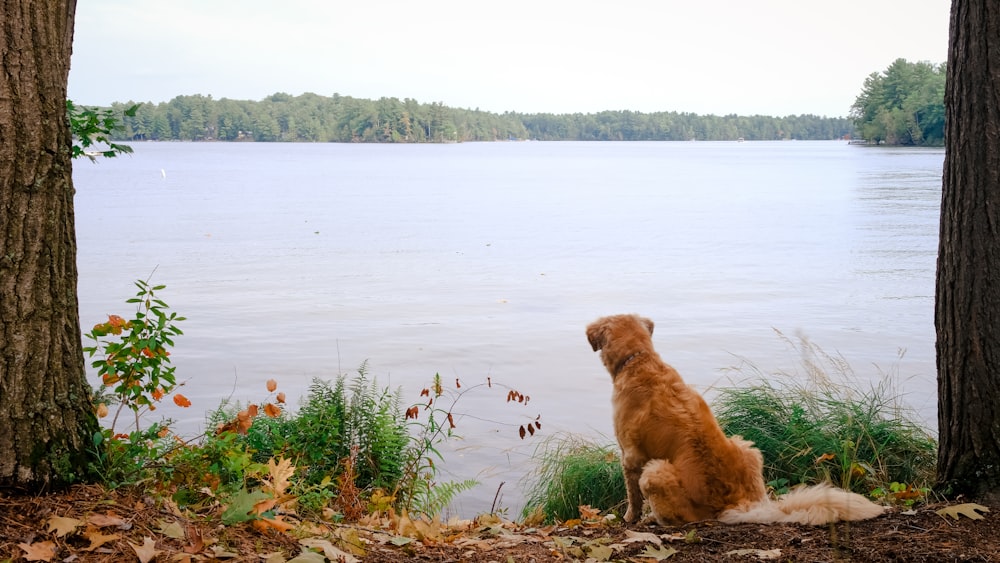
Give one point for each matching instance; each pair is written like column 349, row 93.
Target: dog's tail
column 818, row 504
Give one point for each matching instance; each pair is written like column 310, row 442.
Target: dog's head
column 619, row 338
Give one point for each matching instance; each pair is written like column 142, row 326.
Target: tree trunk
column 967, row 312
column 48, row 417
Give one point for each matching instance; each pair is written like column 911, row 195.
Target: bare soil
column 63, row 527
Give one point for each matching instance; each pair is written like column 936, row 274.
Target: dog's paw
column 629, row 516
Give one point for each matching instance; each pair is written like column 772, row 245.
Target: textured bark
column 47, row 416
column 967, row 312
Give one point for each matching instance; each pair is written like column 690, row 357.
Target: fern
column 432, row 498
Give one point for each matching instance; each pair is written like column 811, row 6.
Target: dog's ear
column 648, row 323
column 597, row 333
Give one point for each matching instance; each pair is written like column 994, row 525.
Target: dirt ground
column 89, row 524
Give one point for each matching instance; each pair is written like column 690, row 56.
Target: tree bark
column 48, row 417
column 967, row 311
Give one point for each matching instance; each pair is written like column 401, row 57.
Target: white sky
column 769, row 57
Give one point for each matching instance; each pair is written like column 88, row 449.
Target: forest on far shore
column 903, row 105
column 314, row 118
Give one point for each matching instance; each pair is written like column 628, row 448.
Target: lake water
column 295, row 261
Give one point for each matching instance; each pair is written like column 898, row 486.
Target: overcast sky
column 769, row 57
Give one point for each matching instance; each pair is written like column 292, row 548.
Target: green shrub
column 336, row 418
column 572, row 471
column 825, row 424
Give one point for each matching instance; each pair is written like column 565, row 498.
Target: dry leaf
column 280, row 397
column 147, row 551
column 41, row 551
column 272, row 411
column 968, row 509
column 762, row 554
column 264, row 524
column 601, row 553
column 280, row 472
column 588, row 513
column 63, row 526
column 172, row 529
column 181, row 401
column 331, row 552
column 107, row 520
column 658, row 553
column 631, row 537
column 97, row 539
column 271, row 385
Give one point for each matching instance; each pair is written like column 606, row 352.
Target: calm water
column 295, row 261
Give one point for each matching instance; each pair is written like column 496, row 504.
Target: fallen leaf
column 147, row 551
column 601, row 553
column 97, row 539
column 41, row 551
column 588, row 513
column 276, row 523
column 762, row 554
column 331, row 552
column 967, row 509
column 308, row 556
column 63, row 526
column 107, row 520
column 631, row 537
column 275, row 557
column 659, row 553
column 172, row 530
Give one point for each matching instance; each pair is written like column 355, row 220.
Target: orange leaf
column 251, row 411
column 181, row 401
column 281, row 397
column 272, row 411
column 522, row 432
column 824, row 457
column 272, row 385
column 157, row 393
column 102, row 410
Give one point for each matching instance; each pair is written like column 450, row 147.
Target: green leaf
column 240, row 506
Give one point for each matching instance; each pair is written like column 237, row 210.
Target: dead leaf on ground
column 762, row 554
column 41, row 551
column 332, row 553
column 108, row 520
column 97, row 539
column 172, row 529
column 63, row 526
column 967, row 509
column 658, row 553
column 632, row 537
column 147, row 551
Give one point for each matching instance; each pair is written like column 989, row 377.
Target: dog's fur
column 675, row 454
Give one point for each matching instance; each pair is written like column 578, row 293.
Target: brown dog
column 675, row 455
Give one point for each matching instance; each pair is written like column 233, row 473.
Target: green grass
column 572, row 471
column 822, row 422
column 818, row 423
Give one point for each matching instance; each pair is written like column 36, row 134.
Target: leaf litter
column 88, row 524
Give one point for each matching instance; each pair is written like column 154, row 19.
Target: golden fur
column 675, row 454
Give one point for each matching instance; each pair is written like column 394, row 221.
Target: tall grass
column 572, row 471
column 824, row 423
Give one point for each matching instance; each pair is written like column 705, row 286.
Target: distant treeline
column 315, row 118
